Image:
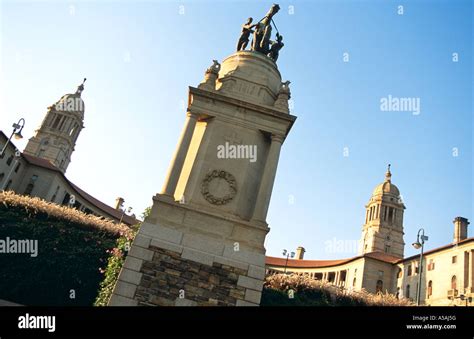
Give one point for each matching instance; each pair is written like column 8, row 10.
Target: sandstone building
column 40, row 169
column 448, row 271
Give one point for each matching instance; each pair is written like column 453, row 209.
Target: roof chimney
column 119, row 203
column 460, row 229
column 300, row 253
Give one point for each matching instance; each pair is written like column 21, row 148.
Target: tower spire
column 80, row 88
column 388, row 175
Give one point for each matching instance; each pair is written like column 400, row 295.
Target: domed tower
column 383, row 228
column 56, row 137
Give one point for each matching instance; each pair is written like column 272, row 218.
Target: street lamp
column 419, row 243
column 288, row 255
column 17, row 128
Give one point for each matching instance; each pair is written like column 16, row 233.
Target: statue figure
column 257, row 36
column 275, row 47
column 245, row 34
column 261, row 36
column 263, row 31
column 267, row 29
column 214, row 68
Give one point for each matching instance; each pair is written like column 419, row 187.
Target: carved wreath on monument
column 219, row 187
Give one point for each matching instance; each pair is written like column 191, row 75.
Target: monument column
column 176, row 165
column 209, row 250
column 268, row 178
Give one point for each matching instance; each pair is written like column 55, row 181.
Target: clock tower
column 383, row 228
column 56, row 137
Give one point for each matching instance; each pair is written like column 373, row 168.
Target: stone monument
column 203, row 242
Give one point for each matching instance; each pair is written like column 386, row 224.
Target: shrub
column 114, row 265
column 311, row 292
column 72, row 249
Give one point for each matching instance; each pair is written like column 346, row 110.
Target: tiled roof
column 382, row 257
column 274, row 261
column 40, row 162
column 437, row 249
column 89, row 198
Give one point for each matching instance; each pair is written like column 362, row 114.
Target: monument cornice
column 213, row 95
column 170, row 201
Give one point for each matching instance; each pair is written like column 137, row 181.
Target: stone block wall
column 160, row 272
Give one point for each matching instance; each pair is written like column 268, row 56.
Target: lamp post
column 288, row 255
column 17, row 128
column 419, row 243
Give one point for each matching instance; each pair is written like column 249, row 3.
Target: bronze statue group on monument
column 262, row 32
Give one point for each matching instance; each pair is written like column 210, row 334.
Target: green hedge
column 70, row 258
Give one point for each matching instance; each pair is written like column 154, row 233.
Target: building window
column 343, row 277
column 56, row 121
column 407, row 294
column 416, row 268
column 2, row 175
column 379, row 286
column 431, row 265
column 430, row 288
column 454, row 259
column 354, row 281
column 17, row 167
column 53, row 199
column 409, row 270
column 387, row 248
column 29, row 189
column 454, row 283
column 61, row 124
column 400, row 273
column 390, row 214
column 9, row 160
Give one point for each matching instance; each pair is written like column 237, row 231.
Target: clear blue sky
column 139, row 58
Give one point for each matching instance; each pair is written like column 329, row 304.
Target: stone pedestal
column 202, row 243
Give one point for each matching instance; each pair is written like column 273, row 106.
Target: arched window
column 407, row 294
column 390, row 214
column 56, row 121
column 430, row 288
column 453, row 283
column 379, row 286
column 354, row 282
column 2, row 175
column 400, row 273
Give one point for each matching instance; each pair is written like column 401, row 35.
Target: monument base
column 183, row 256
